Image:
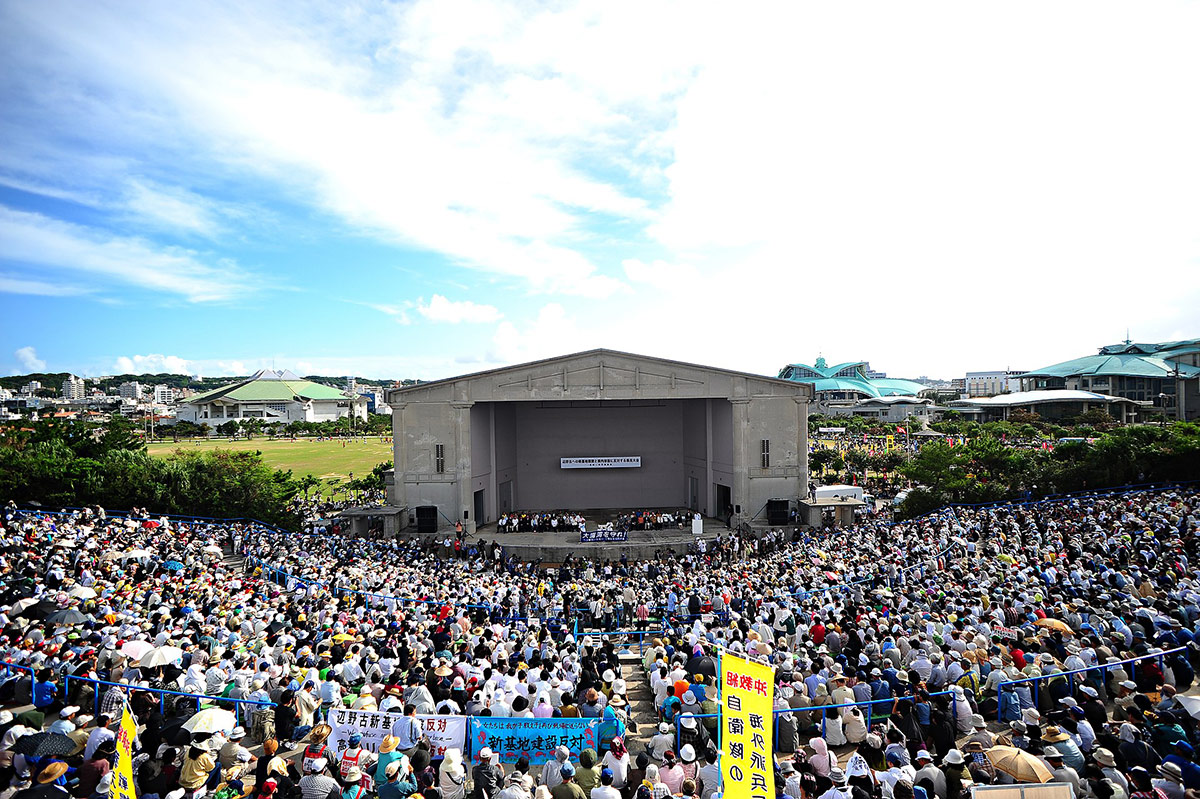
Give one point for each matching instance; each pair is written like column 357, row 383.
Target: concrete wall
column 549, row 431
column 503, row 435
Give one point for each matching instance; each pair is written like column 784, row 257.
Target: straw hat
column 389, row 744
column 1054, row 735
column 320, row 733
column 52, row 772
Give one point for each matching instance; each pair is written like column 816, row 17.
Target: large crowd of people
column 899, row 652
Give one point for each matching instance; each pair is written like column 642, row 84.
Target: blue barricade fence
column 1007, row 688
column 824, row 709
column 239, row 704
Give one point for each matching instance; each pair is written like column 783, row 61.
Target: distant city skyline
column 423, row 189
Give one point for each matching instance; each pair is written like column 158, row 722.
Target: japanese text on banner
column 747, row 731
column 443, row 732
column 122, row 783
column 536, row 739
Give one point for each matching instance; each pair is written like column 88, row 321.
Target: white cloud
column 35, row 239
column 873, row 181
column 27, row 357
column 11, row 284
column 170, row 208
column 440, row 309
column 552, row 332
column 151, row 364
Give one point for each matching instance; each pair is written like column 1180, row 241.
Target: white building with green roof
column 1164, row 376
column 274, row 398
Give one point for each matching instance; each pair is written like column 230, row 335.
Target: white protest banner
column 443, row 732
column 1006, row 632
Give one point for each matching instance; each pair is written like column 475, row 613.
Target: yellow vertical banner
column 122, row 783
column 747, row 728
column 891, row 443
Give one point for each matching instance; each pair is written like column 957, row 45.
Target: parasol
column 1191, row 704
column 161, row 656
column 173, row 565
column 1018, row 764
column 135, row 650
column 1054, row 624
column 43, row 608
column 67, row 616
column 212, row 719
column 214, row 549
column 44, row 744
column 82, row 592
column 135, row 554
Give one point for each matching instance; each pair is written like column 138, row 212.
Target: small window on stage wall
column 439, row 457
column 766, row 453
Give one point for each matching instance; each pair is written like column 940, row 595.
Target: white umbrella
column 214, row 549
column 21, row 604
column 82, row 592
column 134, row 554
column 135, row 650
column 1191, row 704
column 211, row 719
column 161, row 656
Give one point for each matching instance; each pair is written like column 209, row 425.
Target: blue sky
column 425, row 188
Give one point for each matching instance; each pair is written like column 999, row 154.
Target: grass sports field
column 322, row 459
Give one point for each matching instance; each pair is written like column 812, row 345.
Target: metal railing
column 239, row 704
column 824, row 712
column 1005, row 689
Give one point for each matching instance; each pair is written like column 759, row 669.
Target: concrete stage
column 554, row 547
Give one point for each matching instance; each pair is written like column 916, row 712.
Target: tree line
column 988, row 469
column 56, row 463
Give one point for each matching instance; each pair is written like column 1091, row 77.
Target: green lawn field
column 323, row 459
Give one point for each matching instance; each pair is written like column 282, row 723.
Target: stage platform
column 555, row 547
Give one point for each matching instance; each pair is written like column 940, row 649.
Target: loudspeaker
column 427, row 519
column 777, row 512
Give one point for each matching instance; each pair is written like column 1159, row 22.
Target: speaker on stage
column 427, row 519
column 777, row 512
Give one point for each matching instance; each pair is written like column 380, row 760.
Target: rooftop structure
column 273, row 397
column 847, row 382
column 1166, row 376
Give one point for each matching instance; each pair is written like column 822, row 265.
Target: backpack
column 262, row 725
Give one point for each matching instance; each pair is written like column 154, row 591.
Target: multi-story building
column 273, row 397
column 31, row 388
column 847, row 382
column 989, row 384
column 74, row 388
column 164, row 395
column 131, row 390
column 1164, row 377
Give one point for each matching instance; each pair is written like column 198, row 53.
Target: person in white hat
column 840, row 789
column 980, row 732
column 551, row 772
column 927, row 771
column 488, row 776
column 661, row 743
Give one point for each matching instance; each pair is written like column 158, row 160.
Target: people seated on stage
column 655, row 520
column 548, row 522
column 571, row 522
